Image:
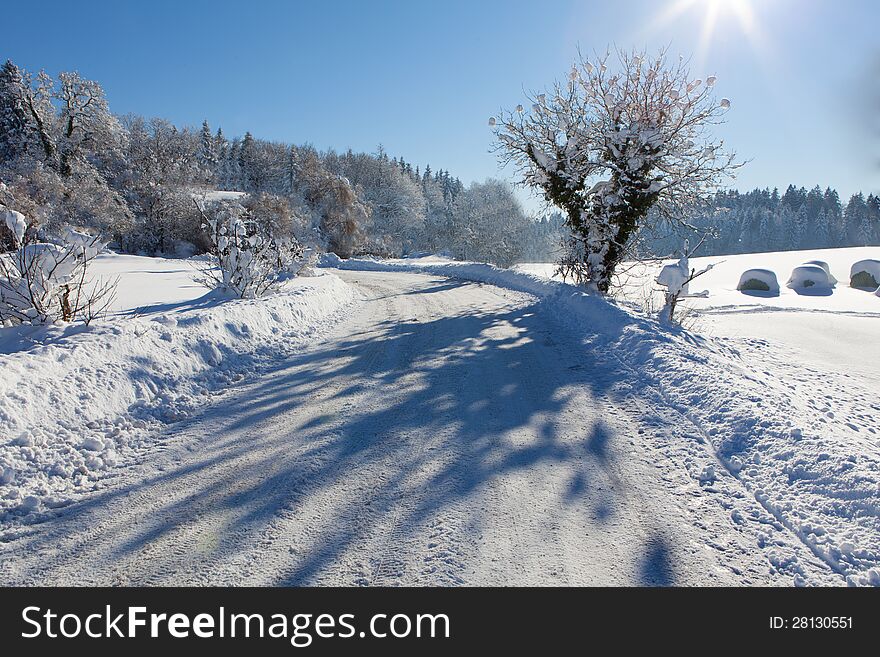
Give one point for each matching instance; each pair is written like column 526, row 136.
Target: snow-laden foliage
column 608, row 146
column 676, row 278
column 809, row 276
column 865, row 273
column 488, row 224
column 758, row 280
column 250, row 257
column 42, row 282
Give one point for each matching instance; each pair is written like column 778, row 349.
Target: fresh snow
column 810, row 279
column 752, row 278
column 77, row 402
column 455, row 423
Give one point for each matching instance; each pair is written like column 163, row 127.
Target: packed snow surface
column 796, row 427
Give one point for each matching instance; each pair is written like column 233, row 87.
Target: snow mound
column 809, row 276
column 77, row 402
column 762, row 280
column 865, row 273
column 823, row 265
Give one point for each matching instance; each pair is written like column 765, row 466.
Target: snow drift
column 77, row 401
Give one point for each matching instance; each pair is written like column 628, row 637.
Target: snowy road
column 445, row 432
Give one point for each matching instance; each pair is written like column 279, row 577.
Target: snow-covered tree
column 250, row 259
column 676, row 278
column 207, row 155
column 86, row 125
column 607, row 146
column 492, row 225
column 14, row 119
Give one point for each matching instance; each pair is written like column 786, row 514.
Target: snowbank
column 805, row 482
column 77, row 401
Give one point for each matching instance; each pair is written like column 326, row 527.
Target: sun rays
column 717, row 15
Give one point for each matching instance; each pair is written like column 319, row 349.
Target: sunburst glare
column 717, row 15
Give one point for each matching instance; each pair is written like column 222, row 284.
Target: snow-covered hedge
column 762, row 280
column 809, row 277
column 865, row 274
column 825, row 267
column 76, row 401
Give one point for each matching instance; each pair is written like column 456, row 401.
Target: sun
column 717, row 15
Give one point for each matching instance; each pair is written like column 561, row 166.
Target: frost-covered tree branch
column 608, row 146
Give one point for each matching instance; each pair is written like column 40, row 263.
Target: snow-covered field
column 76, row 402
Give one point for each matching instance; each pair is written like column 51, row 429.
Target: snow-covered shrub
column 809, row 276
column 865, row 274
column 250, row 257
column 823, row 265
column 42, row 282
column 676, row 278
column 762, row 280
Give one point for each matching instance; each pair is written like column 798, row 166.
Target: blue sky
column 422, row 78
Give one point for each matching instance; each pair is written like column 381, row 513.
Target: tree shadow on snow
column 656, row 566
column 482, row 389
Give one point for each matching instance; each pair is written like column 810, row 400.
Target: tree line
column 764, row 220
column 67, row 161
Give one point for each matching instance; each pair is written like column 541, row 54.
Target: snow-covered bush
column 823, row 265
column 251, row 257
column 865, row 274
column 758, row 280
column 809, row 276
column 618, row 149
column 676, row 278
column 42, row 282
